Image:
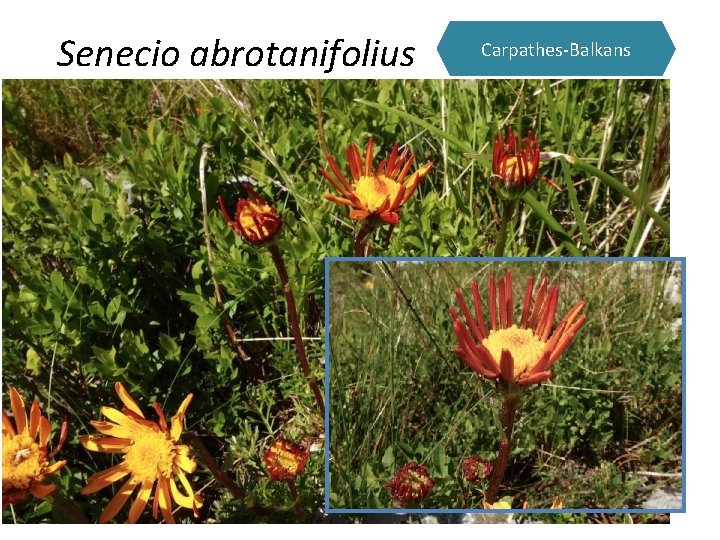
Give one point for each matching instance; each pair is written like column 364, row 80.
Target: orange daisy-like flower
column 284, row 460
column 375, row 193
column 254, row 220
column 150, row 456
column 25, row 457
column 516, row 354
column 411, row 484
column 515, row 165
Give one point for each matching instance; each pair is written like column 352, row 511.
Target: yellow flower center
column 373, row 191
column 526, row 348
column 512, row 162
column 150, row 455
column 287, row 461
column 23, row 461
column 252, row 211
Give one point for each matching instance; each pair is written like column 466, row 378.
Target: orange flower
column 514, row 165
column 410, row 484
column 25, row 457
column 284, row 460
column 254, row 220
column 150, row 456
column 516, row 354
column 375, row 193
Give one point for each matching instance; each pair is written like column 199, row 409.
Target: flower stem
column 508, row 409
column 295, row 326
column 299, row 512
column 362, row 246
column 387, row 237
column 508, row 211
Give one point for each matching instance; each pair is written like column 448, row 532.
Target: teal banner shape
column 556, row 48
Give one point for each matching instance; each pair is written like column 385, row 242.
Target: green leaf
column 33, row 362
column 388, row 459
column 98, row 213
column 170, row 349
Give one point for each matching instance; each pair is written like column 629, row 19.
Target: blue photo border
column 329, row 510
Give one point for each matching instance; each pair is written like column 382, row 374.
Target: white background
column 32, row 32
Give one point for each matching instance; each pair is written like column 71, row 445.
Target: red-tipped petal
column 338, row 200
column 493, row 304
column 7, row 424
column 478, row 309
column 392, row 218
column 502, row 290
column 405, row 169
column 354, row 161
column 527, row 302
column 369, row 157
column 566, row 339
column 548, row 317
column 507, row 366
column 335, row 183
column 338, row 174
column 359, row 214
column 477, row 349
column 34, row 419
column 539, row 300
column 468, row 317
column 18, row 408
column 535, row 378
column 508, row 299
column 474, row 363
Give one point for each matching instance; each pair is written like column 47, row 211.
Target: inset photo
column 490, row 385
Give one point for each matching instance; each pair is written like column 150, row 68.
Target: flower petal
column 335, row 183
column 109, row 428
column 140, row 501
column 118, row 501
column 162, row 494
column 116, row 416
column 104, row 444
column 127, row 399
column 7, row 425
column 338, row 200
column 185, row 404
column 359, row 214
column 493, row 304
column 391, row 218
column 478, row 309
column 468, row 318
column 44, row 431
column 566, row 339
column 55, row 467
column 339, row 175
column 508, row 307
column 104, row 478
column 527, row 302
column 40, row 491
column 502, row 290
column 535, row 378
column 539, row 300
column 369, row 157
column 34, row 419
column 185, row 463
column 507, row 366
column 186, row 501
column 18, row 408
